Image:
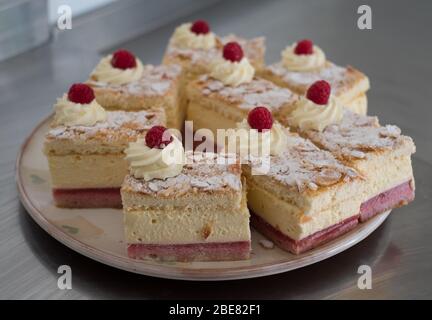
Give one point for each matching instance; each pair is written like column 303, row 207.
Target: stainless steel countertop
column 395, row 54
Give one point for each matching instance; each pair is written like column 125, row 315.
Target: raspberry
column 319, row 92
column 123, row 59
column 81, row 93
column 157, row 138
column 260, row 118
column 233, row 52
column 200, row 27
column 304, row 47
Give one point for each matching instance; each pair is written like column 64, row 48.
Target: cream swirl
column 232, row 73
column 153, row 163
column 69, row 113
column 303, row 62
column 184, row 38
column 251, row 142
column 309, row 115
column 105, row 72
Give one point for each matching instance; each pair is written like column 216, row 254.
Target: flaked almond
column 168, row 191
column 199, row 184
column 327, row 177
column 312, row 186
column 390, row 131
column 215, row 86
column 153, row 186
column 351, row 173
column 358, row 154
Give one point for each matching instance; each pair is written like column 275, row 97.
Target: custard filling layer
column 77, row 171
column 289, row 218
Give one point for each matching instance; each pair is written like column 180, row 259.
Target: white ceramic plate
column 98, row 233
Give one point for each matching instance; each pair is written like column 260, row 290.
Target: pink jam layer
column 191, row 252
column 305, row 244
column 392, row 198
column 88, row 198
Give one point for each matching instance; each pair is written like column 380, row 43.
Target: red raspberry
column 304, row 47
column 200, row 27
column 157, row 138
column 81, row 93
column 233, row 52
column 319, row 92
column 123, row 59
column 260, row 118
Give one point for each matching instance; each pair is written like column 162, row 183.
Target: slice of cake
column 195, row 211
column 85, row 148
column 121, row 82
column 194, row 46
column 303, row 63
column 254, row 49
column 380, row 153
column 304, row 197
column 223, row 98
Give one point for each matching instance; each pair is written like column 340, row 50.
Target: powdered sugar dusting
column 258, row 92
column 118, row 125
column 253, row 48
column 195, row 56
column 337, row 76
column 304, row 166
column 155, row 80
column 210, row 173
column 358, row 135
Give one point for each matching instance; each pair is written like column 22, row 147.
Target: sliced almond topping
column 312, row 186
column 153, row 186
column 199, row 184
column 358, row 154
column 352, row 173
column 390, row 131
column 327, row 177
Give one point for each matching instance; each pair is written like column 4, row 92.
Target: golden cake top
column 111, row 135
column 304, row 166
column 199, row 174
column 194, row 55
column 340, row 78
column 357, row 136
column 247, row 96
column 155, row 80
column 254, row 50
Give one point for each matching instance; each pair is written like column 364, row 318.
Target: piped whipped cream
column 184, row 38
column 69, row 113
column 153, row 163
column 309, row 115
column 251, row 142
column 105, row 72
column 232, row 73
column 303, row 62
